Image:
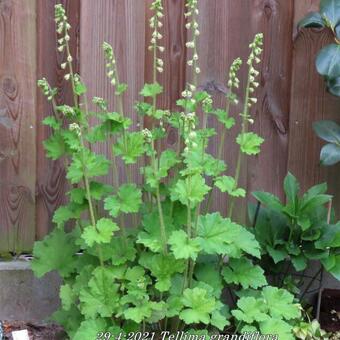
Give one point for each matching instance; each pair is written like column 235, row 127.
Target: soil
column 330, row 310
column 35, row 331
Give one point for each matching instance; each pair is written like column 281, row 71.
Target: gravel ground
column 35, row 331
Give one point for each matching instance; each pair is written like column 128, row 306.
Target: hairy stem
column 159, row 203
column 243, row 131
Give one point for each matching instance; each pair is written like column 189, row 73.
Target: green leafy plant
column 328, row 66
column 294, row 233
column 271, row 310
column 310, row 331
column 166, row 265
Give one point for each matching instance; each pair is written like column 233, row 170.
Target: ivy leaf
column 52, row 122
column 130, row 198
column 127, row 200
column 69, row 320
column 209, row 274
column 162, row 268
column 130, row 148
column 121, row 252
column 121, row 88
column 167, row 160
column 250, row 310
column 278, row 327
column 98, row 190
column 67, row 296
column 55, row 146
column 190, row 190
column 198, row 163
column 63, row 214
column 89, row 329
column 228, row 184
column 151, row 90
column 101, row 296
column 94, row 165
column 222, row 117
column 249, row 143
column 142, row 311
column 221, row 236
column 219, row 318
column 55, row 252
column 150, row 237
column 243, row 272
column 198, row 305
column 102, row 233
column 280, row 303
column 183, row 247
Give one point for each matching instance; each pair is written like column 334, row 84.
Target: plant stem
column 159, row 203
column 86, row 179
column 219, row 155
column 243, row 131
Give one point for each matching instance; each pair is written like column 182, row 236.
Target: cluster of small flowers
column 192, row 12
column 75, row 127
column 110, row 63
column 46, row 89
column 102, row 103
column 156, row 24
column 256, row 51
column 189, row 123
column 207, row 104
column 188, row 93
column 62, row 29
column 147, row 135
column 233, row 80
column 67, row 110
column 167, row 114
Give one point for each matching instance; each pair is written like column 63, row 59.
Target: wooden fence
column 291, row 96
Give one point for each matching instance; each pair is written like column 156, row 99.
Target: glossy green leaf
column 327, row 130
column 328, row 61
column 330, row 154
column 333, row 86
column 313, row 19
column 291, row 187
column 331, row 10
column 268, row 200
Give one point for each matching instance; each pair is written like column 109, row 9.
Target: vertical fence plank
column 120, row 23
column 174, row 75
column 17, row 124
column 223, row 38
column 309, row 103
column 51, row 181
